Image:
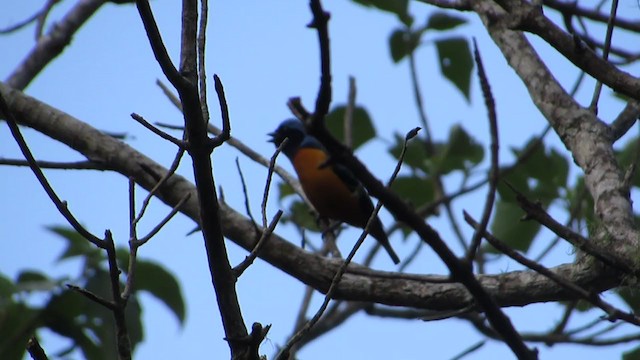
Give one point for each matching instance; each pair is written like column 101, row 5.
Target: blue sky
column 264, row 54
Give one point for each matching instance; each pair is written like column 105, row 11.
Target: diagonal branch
column 53, row 43
column 586, row 136
column 60, row 205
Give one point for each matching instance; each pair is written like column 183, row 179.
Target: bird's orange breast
column 327, row 192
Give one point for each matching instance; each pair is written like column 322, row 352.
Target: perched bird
column 332, row 189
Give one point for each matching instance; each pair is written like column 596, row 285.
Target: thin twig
column 535, row 211
column 625, row 120
column 605, row 53
column 323, row 99
column 238, row 270
column 267, row 185
column 122, row 332
column 164, row 221
column 224, row 110
column 93, row 297
column 161, row 182
column 417, row 96
column 53, row 44
column 285, row 351
column 568, row 311
column 304, row 307
column 253, row 155
column 75, row 165
column 247, row 206
column 179, row 143
column 459, row 271
column 348, row 113
column 593, row 298
column 35, row 350
column 133, row 237
column 173, row 98
column 60, row 205
column 494, row 172
column 202, row 74
column 20, row 24
column 585, row 327
column 42, row 17
column 470, row 350
column 157, row 45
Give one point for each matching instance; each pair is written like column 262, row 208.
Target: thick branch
column 53, row 43
column 517, row 288
column 588, row 138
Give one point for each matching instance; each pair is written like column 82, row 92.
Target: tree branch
column 53, row 43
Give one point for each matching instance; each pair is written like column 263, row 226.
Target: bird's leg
column 329, row 237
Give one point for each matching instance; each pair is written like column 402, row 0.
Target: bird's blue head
column 296, row 133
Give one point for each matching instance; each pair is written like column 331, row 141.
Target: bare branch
column 35, row 350
column 494, row 172
column 164, row 221
column 202, row 73
column 348, row 113
column 323, row 100
column 53, row 43
column 224, row 110
column 625, row 120
column 179, row 143
column 157, row 45
column 93, row 297
column 266, row 233
column 60, row 205
column 593, row 298
column 122, row 332
column 535, row 211
column 605, row 53
column 76, row 165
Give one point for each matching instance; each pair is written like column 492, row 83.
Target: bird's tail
column 377, row 231
column 394, row 256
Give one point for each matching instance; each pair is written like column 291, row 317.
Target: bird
column 331, row 188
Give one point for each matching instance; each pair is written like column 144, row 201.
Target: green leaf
column 398, row 7
column 133, row 310
column 29, row 280
column 518, row 180
column 300, row 214
column 549, row 167
column 508, row 226
column 403, row 42
column 133, row 315
column 100, row 322
column 7, row 288
column 632, row 354
column 284, row 190
column 443, row 21
column 73, row 316
column 160, row 283
column 417, row 156
column 456, row 63
column 122, row 259
column 362, row 127
column 413, row 189
column 461, row 152
column 15, row 318
column 546, row 171
column 76, row 244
